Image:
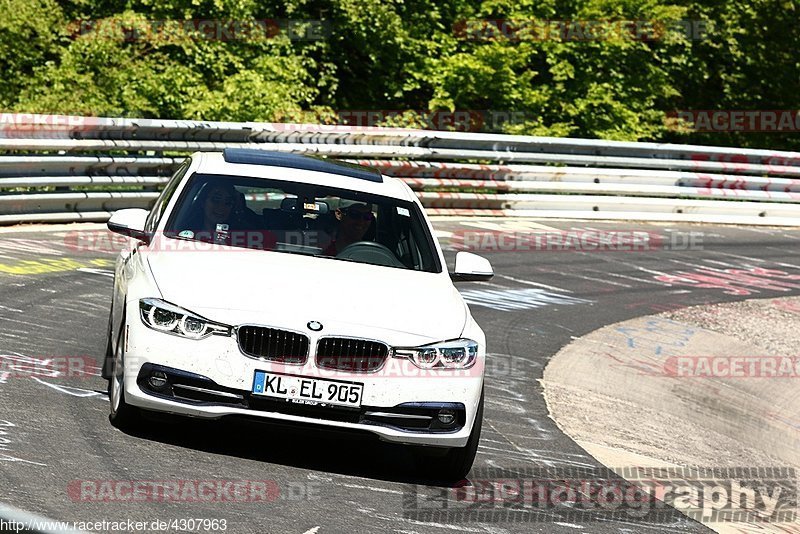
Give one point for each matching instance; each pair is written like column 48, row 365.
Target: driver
column 220, row 222
column 353, row 221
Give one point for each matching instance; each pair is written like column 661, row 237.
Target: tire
column 108, row 359
column 121, row 414
column 455, row 463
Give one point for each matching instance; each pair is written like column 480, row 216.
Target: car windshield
column 301, row 218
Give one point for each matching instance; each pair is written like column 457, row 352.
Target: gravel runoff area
column 706, row 386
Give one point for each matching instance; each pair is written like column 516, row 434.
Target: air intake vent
column 346, row 354
column 273, row 344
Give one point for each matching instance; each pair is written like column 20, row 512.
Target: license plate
column 305, row 390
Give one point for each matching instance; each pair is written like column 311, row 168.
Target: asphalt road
column 54, row 431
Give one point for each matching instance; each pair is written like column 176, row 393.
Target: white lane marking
column 784, row 235
column 7, row 458
column 30, row 246
column 617, row 275
column 495, row 530
column 782, row 264
column 570, row 525
column 517, row 299
column 6, row 442
column 698, row 266
column 508, row 225
column 769, row 262
column 487, row 440
column 49, row 367
column 720, row 263
column 626, row 264
column 651, row 271
column 394, row 519
column 371, row 488
column 328, row 478
column 10, row 309
column 442, row 234
column 753, row 229
column 738, row 257
column 626, row 277
column 490, row 284
column 679, row 524
column 75, row 392
column 101, row 272
column 491, row 463
column 49, row 228
column 532, row 455
column 528, row 282
column 311, row 530
column 600, row 280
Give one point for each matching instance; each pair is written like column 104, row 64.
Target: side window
column 162, row 201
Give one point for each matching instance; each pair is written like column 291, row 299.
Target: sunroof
column 249, row 156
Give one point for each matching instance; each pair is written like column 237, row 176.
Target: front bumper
column 213, row 379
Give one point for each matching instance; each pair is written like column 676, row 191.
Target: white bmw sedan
column 298, row 289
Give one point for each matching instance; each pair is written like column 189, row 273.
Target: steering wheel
column 370, row 252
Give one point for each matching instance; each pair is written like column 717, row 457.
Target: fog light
column 157, row 380
column 446, row 417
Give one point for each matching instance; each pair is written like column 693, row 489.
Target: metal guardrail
column 58, row 168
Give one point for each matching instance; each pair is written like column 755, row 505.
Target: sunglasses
column 364, row 216
column 227, row 201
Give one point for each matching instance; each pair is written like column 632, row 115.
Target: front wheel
column 108, row 358
column 122, row 415
column 456, row 463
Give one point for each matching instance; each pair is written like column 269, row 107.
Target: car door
column 129, row 261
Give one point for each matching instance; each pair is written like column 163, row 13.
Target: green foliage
column 150, row 58
column 27, row 39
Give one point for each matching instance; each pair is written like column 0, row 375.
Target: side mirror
column 129, row 222
column 471, row 268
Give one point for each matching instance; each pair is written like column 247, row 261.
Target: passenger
column 353, row 221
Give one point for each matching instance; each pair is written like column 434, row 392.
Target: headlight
column 166, row 317
column 455, row 354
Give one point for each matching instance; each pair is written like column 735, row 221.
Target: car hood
column 240, row 286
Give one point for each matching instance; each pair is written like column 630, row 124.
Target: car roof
column 300, row 169
column 299, row 161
